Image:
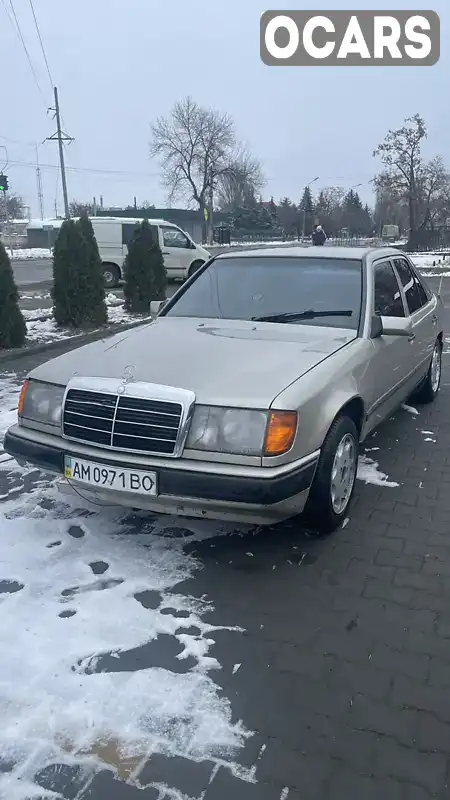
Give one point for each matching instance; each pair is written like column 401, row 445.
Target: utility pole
column 39, row 185
column 210, row 215
column 61, row 137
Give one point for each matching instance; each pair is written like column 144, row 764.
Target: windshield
column 295, row 291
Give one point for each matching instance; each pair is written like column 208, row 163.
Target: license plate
column 99, row 475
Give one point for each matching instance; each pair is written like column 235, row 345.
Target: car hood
column 225, row 362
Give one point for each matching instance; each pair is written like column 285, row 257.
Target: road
column 30, row 272
column 334, row 653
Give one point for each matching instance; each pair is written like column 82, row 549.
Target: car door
column 177, row 251
column 422, row 309
column 391, row 363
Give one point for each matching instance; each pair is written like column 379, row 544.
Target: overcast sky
column 120, row 63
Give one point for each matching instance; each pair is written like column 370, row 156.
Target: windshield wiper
column 310, row 314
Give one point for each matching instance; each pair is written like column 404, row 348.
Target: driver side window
column 174, row 238
column 387, row 295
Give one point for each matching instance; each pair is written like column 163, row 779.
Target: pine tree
column 145, row 273
column 306, row 207
column 273, row 211
column 70, row 291
column 95, row 308
column 13, row 329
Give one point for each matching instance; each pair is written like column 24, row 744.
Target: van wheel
column 111, row 276
column 194, row 267
column 335, row 478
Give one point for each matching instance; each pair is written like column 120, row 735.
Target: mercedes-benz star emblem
column 128, row 377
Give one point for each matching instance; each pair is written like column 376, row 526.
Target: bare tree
column 77, row 208
column 406, row 175
column 240, row 184
column 15, row 205
column 195, row 146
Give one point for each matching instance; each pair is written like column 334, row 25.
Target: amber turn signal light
column 22, row 395
column 280, row 433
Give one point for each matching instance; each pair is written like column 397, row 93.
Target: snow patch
column 30, row 252
column 410, row 410
column 62, row 688
column 9, row 398
column 369, row 473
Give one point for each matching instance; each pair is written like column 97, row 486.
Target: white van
column 181, row 255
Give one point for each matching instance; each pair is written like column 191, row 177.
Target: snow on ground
column 9, row 397
column 41, row 327
column 30, row 252
column 369, row 472
column 429, row 261
column 88, row 601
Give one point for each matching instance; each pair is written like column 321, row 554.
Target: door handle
column 434, row 319
column 411, row 337
column 165, row 253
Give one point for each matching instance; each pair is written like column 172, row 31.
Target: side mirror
column 376, row 328
column 156, row 306
column 391, row 326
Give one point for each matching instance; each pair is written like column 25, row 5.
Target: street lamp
column 304, row 210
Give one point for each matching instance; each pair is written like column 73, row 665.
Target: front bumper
column 261, row 495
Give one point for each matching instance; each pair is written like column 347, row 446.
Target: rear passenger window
column 415, row 293
column 388, row 300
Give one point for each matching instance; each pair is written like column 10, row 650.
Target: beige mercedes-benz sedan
column 247, row 397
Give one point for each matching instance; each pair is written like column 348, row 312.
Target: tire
column 194, row 267
column 111, row 276
column 323, row 512
column 429, row 389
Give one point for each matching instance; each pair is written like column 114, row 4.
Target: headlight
column 227, row 430
column 41, row 402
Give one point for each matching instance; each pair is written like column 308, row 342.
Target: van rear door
column 109, row 239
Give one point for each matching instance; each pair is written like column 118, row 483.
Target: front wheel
column 111, row 276
column 335, row 477
column 429, row 390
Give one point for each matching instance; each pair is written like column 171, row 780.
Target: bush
column 77, row 299
column 145, row 273
column 13, row 329
column 95, row 309
column 70, row 258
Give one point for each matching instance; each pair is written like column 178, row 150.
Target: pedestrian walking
column 318, row 236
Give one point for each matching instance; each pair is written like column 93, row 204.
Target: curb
column 81, row 339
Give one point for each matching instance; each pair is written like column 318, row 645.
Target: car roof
column 295, row 251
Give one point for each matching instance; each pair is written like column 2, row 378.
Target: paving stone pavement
column 345, row 663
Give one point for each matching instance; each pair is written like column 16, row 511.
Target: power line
column 41, row 43
column 43, row 51
column 19, row 33
column 88, row 169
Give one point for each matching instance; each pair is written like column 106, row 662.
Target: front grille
column 120, row 422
